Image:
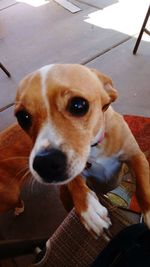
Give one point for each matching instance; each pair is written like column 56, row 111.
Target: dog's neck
column 98, row 138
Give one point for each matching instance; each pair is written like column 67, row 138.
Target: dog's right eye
column 78, row 106
column 24, row 119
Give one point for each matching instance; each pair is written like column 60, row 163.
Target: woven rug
column 124, row 195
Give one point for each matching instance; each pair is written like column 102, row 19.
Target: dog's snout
column 51, row 165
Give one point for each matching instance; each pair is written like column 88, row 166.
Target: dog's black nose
column 51, row 165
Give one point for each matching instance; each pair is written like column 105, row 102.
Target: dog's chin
column 50, row 181
column 64, row 179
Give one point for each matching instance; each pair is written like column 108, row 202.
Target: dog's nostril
column 50, row 164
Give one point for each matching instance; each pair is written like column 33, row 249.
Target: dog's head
column 62, row 108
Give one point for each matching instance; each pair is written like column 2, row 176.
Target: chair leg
column 5, row 70
column 141, row 32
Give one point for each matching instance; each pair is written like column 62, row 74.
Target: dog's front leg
column 92, row 214
column 140, row 167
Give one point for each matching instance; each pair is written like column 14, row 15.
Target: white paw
column 147, row 218
column 95, row 219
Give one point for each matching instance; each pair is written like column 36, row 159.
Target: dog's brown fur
column 15, row 147
column 63, row 82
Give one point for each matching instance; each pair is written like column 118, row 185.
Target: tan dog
column 65, row 109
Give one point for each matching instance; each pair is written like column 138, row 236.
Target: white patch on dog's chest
column 102, row 168
column 107, row 162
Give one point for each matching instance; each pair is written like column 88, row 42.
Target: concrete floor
column 101, row 35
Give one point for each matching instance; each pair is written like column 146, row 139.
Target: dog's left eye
column 78, row 106
column 24, row 119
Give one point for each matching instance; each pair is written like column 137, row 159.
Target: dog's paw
column 95, row 218
column 147, row 218
column 19, row 209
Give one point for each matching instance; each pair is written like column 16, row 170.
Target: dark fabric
column 131, row 247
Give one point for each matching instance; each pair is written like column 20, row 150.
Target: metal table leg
column 143, row 29
column 5, row 70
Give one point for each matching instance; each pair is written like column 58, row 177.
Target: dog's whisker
column 10, row 183
column 25, row 171
column 31, row 183
column 14, row 158
column 22, row 170
column 25, row 175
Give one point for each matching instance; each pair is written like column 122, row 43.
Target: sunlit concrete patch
column 124, row 16
column 34, row 3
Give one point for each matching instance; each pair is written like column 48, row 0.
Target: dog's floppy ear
column 108, row 84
